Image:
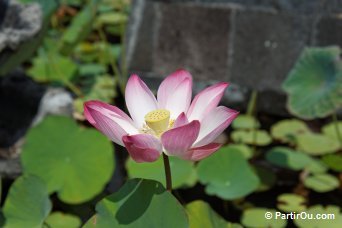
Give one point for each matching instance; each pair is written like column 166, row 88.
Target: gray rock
column 266, row 46
column 20, row 23
column 193, row 37
column 329, row 31
column 56, row 101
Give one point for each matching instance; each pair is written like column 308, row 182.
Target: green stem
column 167, row 172
column 338, row 133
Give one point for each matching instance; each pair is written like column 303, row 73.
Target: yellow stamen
column 158, row 120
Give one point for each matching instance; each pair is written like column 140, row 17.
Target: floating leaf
column 256, row 218
column 333, row 161
column 321, row 182
column 317, row 144
column 330, row 129
column 245, row 122
column 183, row 172
column 227, row 174
column 288, row 158
column 255, row 137
column 310, row 219
column 139, row 203
column 286, row 131
column 27, row 204
column 314, row 85
column 61, row 220
column 202, row 216
column 73, row 161
column 291, row 202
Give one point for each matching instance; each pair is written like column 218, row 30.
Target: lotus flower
column 171, row 123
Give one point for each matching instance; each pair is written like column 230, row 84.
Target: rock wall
column 253, row 44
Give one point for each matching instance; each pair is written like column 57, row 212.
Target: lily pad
column 245, row 122
column 27, row 204
column 291, row 159
column 317, row 144
column 286, row 131
column 325, row 218
column 253, row 137
column 256, row 218
column 202, row 216
column 333, row 161
column 183, row 172
column 314, row 85
column 291, row 202
column 227, row 174
column 322, row 182
column 61, row 220
column 330, row 129
column 75, row 162
column 139, row 204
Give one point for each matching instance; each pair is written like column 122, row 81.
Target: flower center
column 158, row 120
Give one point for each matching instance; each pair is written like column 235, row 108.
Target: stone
column 140, row 36
column 186, row 38
column 19, row 101
column 329, row 31
column 266, row 46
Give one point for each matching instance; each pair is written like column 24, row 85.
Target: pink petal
column 109, row 119
column 181, row 120
column 198, row 153
column 143, row 147
column 139, row 99
column 214, row 123
column 178, row 140
column 174, row 93
column 205, row 101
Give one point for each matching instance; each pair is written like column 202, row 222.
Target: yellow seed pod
column 158, row 120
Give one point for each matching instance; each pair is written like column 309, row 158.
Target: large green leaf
column 291, row 159
column 256, row 218
column 329, row 216
column 286, row 131
column 227, row 174
column 61, row 220
column 183, row 172
column 139, row 204
column 314, row 85
column 202, row 216
column 27, row 204
column 75, row 162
